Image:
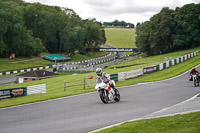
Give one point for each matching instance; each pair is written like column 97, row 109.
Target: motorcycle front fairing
column 101, row 85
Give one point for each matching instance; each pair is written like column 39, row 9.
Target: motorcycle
column 106, row 92
column 195, row 79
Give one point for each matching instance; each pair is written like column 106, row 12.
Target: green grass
column 187, row 123
column 55, row 89
column 120, row 37
column 55, row 86
column 7, row 65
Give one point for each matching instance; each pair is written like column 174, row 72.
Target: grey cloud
column 196, row 1
column 129, row 6
column 127, row 10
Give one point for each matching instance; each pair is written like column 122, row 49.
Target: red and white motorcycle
column 106, row 92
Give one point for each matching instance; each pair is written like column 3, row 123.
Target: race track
column 84, row 113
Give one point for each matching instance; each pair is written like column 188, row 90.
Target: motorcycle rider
column 194, row 71
column 105, row 77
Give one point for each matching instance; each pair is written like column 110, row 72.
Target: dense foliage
column 117, row 23
column 29, row 29
column 170, row 30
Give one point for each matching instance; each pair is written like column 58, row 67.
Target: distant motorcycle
column 195, row 79
column 106, row 92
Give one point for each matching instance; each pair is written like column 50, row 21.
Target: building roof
column 38, row 74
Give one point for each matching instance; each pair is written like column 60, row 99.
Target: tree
column 187, row 28
column 29, row 29
column 142, row 39
column 117, row 23
column 76, row 40
column 94, row 36
column 161, row 31
column 154, row 36
column 15, row 38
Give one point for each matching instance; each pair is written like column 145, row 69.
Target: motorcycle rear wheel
column 103, row 97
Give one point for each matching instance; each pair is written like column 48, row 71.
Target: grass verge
column 187, row 123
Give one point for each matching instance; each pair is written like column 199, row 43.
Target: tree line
column 170, row 30
column 29, row 29
column 117, row 23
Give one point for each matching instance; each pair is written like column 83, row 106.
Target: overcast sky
column 132, row 11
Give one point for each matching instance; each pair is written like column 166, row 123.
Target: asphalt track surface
column 84, row 113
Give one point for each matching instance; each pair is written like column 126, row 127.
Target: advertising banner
column 121, row 76
column 148, row 70
column 36, row 89
column 134, row 73
column 4, row 94
column 112, row 50
column 13, row 92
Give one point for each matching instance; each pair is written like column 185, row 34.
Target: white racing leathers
column 104, row 87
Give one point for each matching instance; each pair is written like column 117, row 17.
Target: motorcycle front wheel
column 117, row 95
column 195, row 82
column 103, row 96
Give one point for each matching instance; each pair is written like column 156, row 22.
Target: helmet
column 99, row 71
column 193, row 68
